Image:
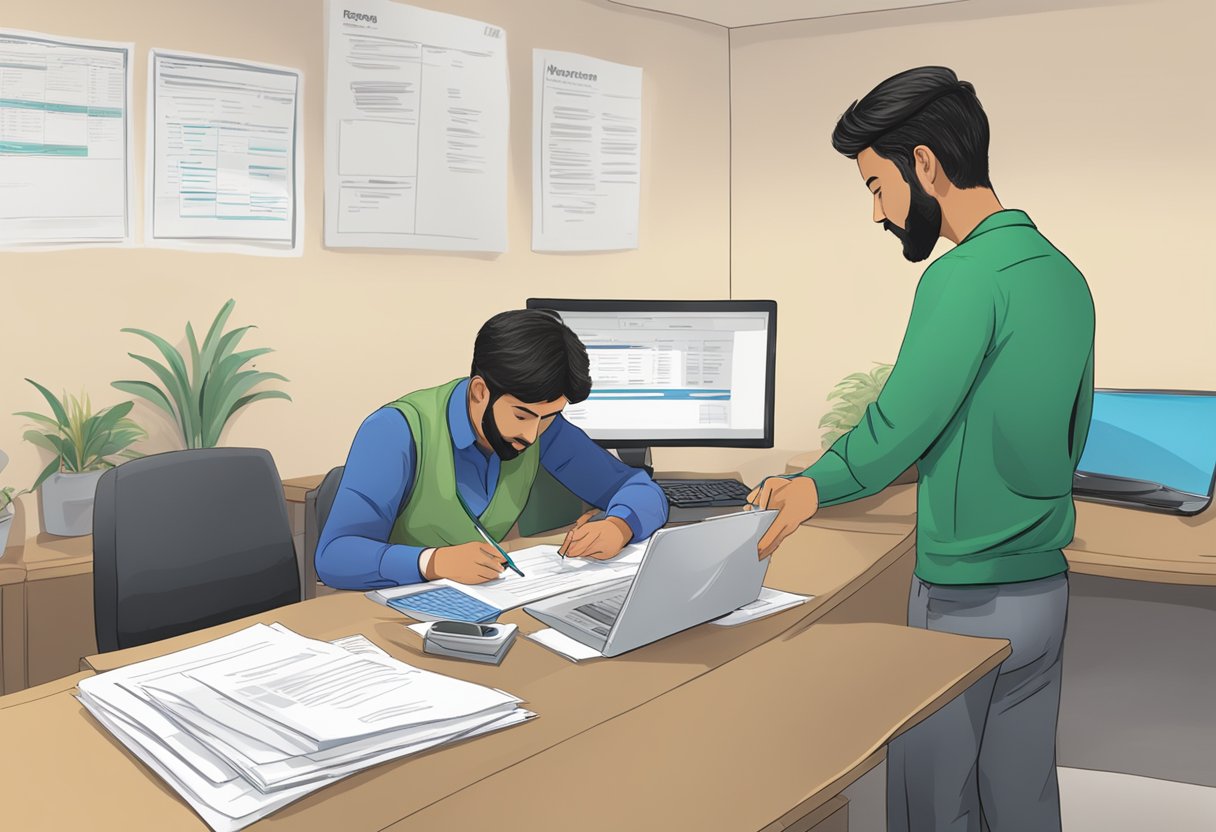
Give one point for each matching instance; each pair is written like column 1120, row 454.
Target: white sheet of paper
column 416, row 115
column 546, row 573
column 225, row 155
column 329, row 696
column 563, row 645
column 770, row 601
column 65, row 141
column 586, row 153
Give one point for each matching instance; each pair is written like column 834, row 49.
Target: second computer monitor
column 667, row 373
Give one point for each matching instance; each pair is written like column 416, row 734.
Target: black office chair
column 317, row 504
column 188, row 539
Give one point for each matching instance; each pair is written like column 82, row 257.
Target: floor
column 1090, row 801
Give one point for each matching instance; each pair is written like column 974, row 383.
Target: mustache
column 894, row 229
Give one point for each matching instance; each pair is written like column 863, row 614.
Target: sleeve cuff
column 631, row 519
column 400, row 564
column 833, row 479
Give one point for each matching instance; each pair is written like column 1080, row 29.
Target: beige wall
column 353, row 330
column 1102, row 119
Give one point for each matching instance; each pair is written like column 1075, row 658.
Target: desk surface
column 602, row 689
column 1109, row 540
column 784, row 720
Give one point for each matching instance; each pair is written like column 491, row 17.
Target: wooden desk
column 1110, row 541
column 781, row 726
column 105, row 781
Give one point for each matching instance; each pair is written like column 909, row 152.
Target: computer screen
column 675, row 372
column 1165, row 437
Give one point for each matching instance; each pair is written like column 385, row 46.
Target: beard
column 923, row 226
column 505, row 450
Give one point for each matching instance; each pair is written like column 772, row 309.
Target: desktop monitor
column 1150, row 449
column 674, row 373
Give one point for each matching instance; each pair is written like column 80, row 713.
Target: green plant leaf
column 46, row 472
column 56, row 407
column 256, row 397
column 41, row 440
column 233, row 389
column 181, row 398
column 172, row 356
column 40, row 419
column 148, row 391
column 211, row 342
column 228, row 343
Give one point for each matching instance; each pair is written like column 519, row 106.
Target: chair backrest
column 189, row 539
column 317, row 504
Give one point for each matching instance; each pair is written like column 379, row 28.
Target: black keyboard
column 704, row 493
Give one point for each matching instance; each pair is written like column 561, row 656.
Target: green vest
column 433, row 514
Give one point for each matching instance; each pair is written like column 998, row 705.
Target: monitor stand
column 637, row 458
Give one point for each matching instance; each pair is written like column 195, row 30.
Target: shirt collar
column 1001, row 219
column 459, row 424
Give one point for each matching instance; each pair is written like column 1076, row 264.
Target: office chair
column 317, row 504
column 186, row 540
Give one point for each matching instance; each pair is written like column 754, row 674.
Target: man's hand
column 797, row 500
column 601, row 540
column 468, row 563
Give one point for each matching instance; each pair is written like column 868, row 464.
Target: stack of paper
column 245, row 724
column 546, row 574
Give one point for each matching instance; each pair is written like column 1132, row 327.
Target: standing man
column 423, row 467
column 991, row 397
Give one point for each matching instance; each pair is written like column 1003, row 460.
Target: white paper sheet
column 565, row 646
column 586, row 153
column 225, row 800
column 770, row 601
column 225, row 165
column 416, row 115
column 546, row 573
column 65, row 141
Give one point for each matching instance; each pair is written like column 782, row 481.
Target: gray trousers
column 989, row 756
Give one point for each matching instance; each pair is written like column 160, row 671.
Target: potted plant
column 83, row 444
column 202, row 397
column 7, row 495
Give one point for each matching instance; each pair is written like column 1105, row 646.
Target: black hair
column 923, row 106
column 532, row 355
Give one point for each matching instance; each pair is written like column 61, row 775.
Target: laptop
column 1150, row 449
column 688, row 575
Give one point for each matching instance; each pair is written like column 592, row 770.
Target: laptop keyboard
column 604, row 610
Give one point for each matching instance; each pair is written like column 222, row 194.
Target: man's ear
column 928, row 170
column 478, row 391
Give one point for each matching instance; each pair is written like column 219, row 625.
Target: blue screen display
column 1168, row 438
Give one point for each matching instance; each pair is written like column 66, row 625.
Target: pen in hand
column 501, row 551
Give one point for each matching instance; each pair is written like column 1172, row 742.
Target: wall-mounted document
column 586, row 153
column 416, row 113
column 225, row 168
column 65, row 141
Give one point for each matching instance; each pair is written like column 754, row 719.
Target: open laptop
column 1150, row 449
column 688, row 575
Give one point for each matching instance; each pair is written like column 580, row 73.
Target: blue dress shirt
column 354, row 552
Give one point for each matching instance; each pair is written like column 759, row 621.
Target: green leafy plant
column 852, row 396
column 202, row 398
column 80, row 439
column 7, row 495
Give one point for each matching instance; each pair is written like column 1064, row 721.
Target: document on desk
column 546, row 574
column 770, row 601
column 416, row 115
column 225, row 159
column 228, row 761
column 65, row 141
column 586, row 153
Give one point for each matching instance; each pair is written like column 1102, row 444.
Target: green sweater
column 991, row 396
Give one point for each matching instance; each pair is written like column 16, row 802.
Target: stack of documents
column 546, row 574
column 243, row 725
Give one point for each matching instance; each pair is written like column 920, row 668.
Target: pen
column 501, row 551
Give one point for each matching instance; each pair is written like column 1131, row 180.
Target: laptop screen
column 1163, row 437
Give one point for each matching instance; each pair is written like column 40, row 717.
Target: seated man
column 422, row 466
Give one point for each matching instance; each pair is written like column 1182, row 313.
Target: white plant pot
column 6, row 526
column 66, row 503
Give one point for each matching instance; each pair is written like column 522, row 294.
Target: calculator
column 444, row 604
